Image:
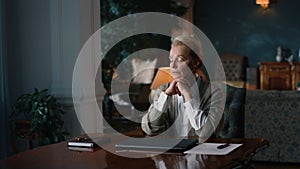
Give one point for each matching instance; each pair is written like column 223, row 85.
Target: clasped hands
column 182, row 87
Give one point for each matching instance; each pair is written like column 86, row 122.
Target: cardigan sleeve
column 206, row 120
column 156, row 120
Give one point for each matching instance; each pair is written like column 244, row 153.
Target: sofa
column 275, row 116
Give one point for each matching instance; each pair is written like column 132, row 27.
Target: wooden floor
column 271, row 165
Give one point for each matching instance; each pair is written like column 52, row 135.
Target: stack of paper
column 212, row 149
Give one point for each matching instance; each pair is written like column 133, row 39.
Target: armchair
column 232, row 125
column 139, row 88
column 122, row 103
column 235, row 69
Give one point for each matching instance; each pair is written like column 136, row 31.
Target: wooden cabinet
column 279, row 75
column 275, row 76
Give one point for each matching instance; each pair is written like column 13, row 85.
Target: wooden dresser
column 279, row 75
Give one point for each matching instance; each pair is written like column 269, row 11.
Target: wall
column 4, row 104
column 244, row 28
column 28, row 42
column 44, row 39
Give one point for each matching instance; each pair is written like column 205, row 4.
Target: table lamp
column 162, row 76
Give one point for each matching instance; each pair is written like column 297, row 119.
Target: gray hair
column 192, row 43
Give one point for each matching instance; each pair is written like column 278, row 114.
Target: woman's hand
column 183, row 86
column 171, row 90
column 180, row 87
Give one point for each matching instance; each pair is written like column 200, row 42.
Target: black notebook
column 157, row 144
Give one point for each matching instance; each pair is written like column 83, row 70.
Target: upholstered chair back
column 234, row 67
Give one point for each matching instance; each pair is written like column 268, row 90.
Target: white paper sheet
column 211, row 149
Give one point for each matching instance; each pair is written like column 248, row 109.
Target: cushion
column 143, row 70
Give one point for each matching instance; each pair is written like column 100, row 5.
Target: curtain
column 4, row 103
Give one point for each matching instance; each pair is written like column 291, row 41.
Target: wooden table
column 57, row 156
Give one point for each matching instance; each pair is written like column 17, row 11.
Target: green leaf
column 44, row 112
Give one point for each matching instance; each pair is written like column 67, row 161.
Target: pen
column 223, row 146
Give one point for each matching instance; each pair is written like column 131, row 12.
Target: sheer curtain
column 4, row 103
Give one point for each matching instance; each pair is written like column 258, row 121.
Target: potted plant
column 42, row 114
column 298, row 86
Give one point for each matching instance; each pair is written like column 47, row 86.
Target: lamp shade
column 162, row 76
column 263, row 3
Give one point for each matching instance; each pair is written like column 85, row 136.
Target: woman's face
column 179, row 60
